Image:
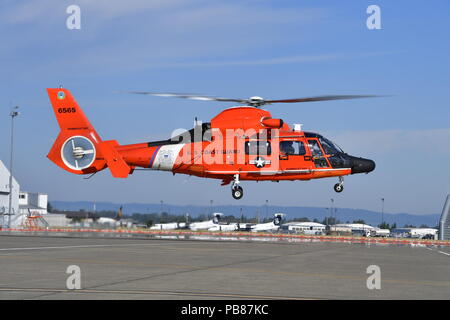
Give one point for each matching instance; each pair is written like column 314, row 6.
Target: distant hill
column 342, row 214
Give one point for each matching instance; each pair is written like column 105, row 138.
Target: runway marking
column 191, row 268
column 200, row 268
column 176, row 293
column 435, row 250
column 80, row 246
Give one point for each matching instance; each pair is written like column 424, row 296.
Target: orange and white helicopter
column 240, row 143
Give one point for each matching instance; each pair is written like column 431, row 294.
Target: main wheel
column 338, row 187
column 237, row 192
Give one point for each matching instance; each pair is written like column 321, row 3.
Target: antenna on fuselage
column 197, row 122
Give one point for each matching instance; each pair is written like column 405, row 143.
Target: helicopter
column 241, row 143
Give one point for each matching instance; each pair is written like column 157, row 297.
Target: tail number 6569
column 67, row 110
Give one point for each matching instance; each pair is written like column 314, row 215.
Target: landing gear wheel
column 338, row 187
column 237, row 192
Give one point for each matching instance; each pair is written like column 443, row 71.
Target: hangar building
column 4, row 195
column 35, row 203
column 22, row 203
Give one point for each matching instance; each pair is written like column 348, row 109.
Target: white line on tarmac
column 447, row 254
column 85, row 246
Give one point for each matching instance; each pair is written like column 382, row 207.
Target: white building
column 56, row 220
column 34, row 203
column 22, row 203
column 354, row 228
column 415, row 232
column 4, row 196
column 304, row 227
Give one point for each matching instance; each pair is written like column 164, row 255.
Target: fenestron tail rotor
column 78, row 153
column 254, row 101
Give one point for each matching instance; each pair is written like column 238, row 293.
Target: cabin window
column 296, row 148
column 257, row 147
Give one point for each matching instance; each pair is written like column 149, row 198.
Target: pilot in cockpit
column 287, row 147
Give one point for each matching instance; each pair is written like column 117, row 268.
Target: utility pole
column 14, row 113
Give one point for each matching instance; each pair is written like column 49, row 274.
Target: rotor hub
column 256, row 101
column 78, row 152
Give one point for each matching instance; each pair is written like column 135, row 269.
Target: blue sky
column 274, row 49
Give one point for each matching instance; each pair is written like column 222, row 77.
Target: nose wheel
column 339, row 187
column 236, row 190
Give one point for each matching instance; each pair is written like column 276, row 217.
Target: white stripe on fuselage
column 166, row 157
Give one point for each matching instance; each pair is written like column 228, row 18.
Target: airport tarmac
column 35, row 268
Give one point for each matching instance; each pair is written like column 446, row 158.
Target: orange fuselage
column 244, row 141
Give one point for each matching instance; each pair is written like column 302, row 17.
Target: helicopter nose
column 361, row 165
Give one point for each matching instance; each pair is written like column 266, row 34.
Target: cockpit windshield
column 328, row 146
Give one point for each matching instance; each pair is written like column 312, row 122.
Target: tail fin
column 78, row 147
column 277, row 218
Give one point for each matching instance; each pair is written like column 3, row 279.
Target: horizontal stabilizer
column 119, row 168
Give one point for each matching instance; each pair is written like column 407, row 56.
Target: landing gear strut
column 339, row 187
column 236, row 190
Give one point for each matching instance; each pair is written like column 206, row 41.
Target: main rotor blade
column 254, row 101
column 189, row 96
column 321, row 98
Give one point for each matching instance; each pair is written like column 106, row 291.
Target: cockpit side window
column 315, row 148
column 296, row 148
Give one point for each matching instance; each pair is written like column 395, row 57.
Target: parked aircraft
column 206, row 225
column 269, row 226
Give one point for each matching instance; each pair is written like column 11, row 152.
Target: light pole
column 267, row 209
column 14, row 113
column 382, row 211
